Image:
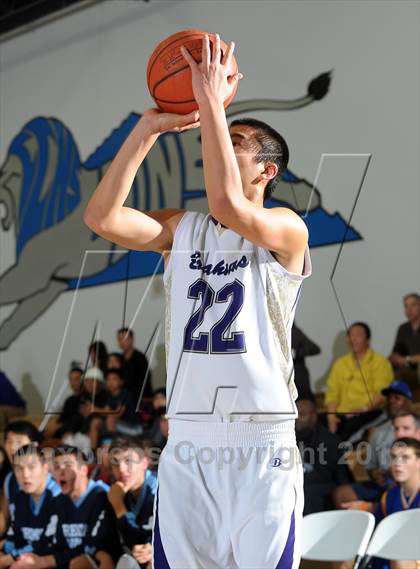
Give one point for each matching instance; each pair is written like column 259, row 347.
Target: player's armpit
column 132, row 229
column 279, row 229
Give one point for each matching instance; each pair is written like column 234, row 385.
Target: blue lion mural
column 44, row 189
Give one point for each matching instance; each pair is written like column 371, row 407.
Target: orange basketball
column 169, row 75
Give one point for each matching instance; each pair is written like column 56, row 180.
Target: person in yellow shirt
column 355, row 383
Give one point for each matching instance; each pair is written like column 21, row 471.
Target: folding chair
column 397, row 537
column 338, row 535
column 127, row 562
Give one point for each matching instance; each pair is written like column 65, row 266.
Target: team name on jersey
column 32, row 534
column 220, row 268
column 74, row 534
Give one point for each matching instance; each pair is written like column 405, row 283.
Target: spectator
column 115, row 361
column 132, row 497
column 124, row 419
column 136, row 367
column 83, row 524
column 302, row 346
column 70, row 419
column 98, row 355
column 102, row 471
column 11, row 403
column 159, row 399
column 5, row 466
column 406, row 424
column 30, row 508
column 321, row 458
column 355, row 383
column 405, row 494
column 399, row 397
column 405, row 355
column 160, row 438
column 92, row 402
column 152, row 433
column 16, row 435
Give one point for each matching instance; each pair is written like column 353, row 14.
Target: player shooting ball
column 230, row 479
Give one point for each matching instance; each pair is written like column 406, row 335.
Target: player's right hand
column 158, row 122
column 333, row 421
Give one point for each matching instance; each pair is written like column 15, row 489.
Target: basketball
column 169, row 75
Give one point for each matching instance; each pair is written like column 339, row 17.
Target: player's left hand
column 116, row 498
column 142, row 553
column 28, row 561
column 212, row 79
column 158, row 122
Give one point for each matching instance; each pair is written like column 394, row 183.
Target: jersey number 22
column 217, row 339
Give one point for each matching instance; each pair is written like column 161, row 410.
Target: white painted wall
column 88, row 70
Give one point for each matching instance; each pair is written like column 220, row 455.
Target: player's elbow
column 89, row 219
column 223, row 209
column 96, row 223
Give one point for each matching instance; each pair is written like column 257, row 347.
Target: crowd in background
column 61, row 507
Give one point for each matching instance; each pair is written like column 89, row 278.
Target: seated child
column 30, row 507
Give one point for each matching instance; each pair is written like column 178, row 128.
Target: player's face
column 405, row 427
column 412, row 308
column 306, row 416
column 75, row 378
column 357, row 339
column 68, row 472
column 90, row 385
column 396, row 402
column 129, row 467
column 113, row 383
column 113, row 362
column 246, row 147
column 30, row 473
column 13, row 442
column 159, row 400
column 164, row 426
column 404, row 463
column 125, row 341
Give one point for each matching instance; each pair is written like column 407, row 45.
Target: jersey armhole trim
column 168, row 267
column 278, row 267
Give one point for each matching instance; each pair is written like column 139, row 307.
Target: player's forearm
column 110, row 195
column 6, row 561
column 332, row 407
column 48, row 561
column 376, row 403
column 221, row 172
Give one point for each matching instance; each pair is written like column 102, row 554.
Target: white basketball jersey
column 229, row 311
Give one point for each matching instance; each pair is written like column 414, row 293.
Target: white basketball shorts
column 230, row 496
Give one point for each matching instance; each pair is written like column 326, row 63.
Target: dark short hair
column 159, row 391
column 412, row 295
column 29, row 450
column 116, row 371
column 23, row 428
column 408, row 442
column 362, row 325
column 126, row 443
column 128, row 331
column 70, row 450
column 273, row 149
column 76, row 368
column 407, row 413
column 117, row 355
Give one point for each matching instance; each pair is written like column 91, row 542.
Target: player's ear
column 270, row 171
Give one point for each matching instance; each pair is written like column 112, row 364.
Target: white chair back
column 337, row 535
column 127, row 562
column 397, row 537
